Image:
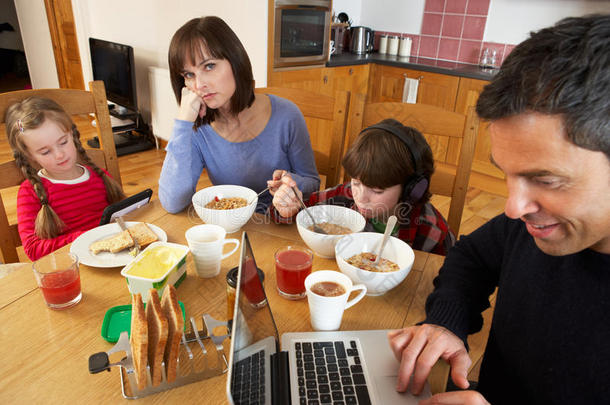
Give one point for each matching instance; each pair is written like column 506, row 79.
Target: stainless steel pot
column 362, row 40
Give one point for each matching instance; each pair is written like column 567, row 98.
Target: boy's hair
column 563, row 70
column 380, row 159
column 31, row 113
column 214, row 35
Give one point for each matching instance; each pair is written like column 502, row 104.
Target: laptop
column 342, row 367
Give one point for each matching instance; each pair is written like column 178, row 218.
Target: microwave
column 301, row 32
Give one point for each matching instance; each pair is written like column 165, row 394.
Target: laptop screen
column 253, row 326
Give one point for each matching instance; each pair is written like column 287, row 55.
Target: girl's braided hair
column 31, row 113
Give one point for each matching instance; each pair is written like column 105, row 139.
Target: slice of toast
column 171, row 309
column 139, row 340
column 157, row 336
column 143, row 234
column 113, row 244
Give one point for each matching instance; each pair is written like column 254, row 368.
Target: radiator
column 163, row 105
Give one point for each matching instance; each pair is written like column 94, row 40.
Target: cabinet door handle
column 325, row 79
column 351, row 71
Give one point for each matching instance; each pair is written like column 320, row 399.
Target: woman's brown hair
column 31, row 113
column 380, row 159
column 213, row 34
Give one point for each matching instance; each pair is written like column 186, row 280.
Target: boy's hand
column 284, row 199
column 191, row 106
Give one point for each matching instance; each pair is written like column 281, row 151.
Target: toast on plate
column 112, row 244
column 139, row 340
column 171, row 309
column 157, row 336
column 143, row 234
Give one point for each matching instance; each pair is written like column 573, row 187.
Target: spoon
column 388, row 230
column 258, row 195
column 316, row 228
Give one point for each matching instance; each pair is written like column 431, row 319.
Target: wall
column 148, row 25
column 37, row 43
column 511, row 21
column 458, row 30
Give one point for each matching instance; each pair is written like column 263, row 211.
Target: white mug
column 206, row 243
column 326, row 312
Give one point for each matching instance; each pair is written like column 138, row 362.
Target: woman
column 222, row 126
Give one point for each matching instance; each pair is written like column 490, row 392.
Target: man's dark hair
column 563, row 69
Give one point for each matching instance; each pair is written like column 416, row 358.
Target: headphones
column 415, row 187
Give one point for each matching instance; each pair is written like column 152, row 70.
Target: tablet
column 118, row 209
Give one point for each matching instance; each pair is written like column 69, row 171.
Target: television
column 113, row 64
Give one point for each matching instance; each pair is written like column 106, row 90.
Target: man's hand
column 284, row 199
column 419, row 347
column 191, row 106
column 456, row 398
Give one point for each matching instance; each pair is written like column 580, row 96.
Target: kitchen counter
column 423, row 64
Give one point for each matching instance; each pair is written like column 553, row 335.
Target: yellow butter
column 155, row 262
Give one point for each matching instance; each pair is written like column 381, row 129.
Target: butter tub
column 160, row 264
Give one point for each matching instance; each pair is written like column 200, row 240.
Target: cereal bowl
column 324, row 245
column 377, row 283
column 230, row 219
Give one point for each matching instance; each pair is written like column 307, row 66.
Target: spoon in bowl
column 316, row 228
column 386, row 234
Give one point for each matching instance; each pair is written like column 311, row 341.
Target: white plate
column 80, row 246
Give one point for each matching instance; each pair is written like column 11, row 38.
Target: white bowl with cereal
column 395, row 264
column 331, row 218
column 228, row 206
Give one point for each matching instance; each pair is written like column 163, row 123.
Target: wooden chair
column 449, row 180
column 326, row 118
column 74, row 102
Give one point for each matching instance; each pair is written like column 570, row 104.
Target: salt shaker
column 492, row 60
column 392, row 45
column 484, row 58
column 383, row 44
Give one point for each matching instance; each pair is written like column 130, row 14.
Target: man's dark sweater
column 550, row 336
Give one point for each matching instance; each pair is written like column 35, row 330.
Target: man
column 549, row 254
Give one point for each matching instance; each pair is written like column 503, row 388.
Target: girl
column 222, row 126
column 390, row 166
column 62, row 199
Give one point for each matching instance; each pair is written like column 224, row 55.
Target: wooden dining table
column 45, row 352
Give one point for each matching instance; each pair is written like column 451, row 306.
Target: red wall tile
column 452, row 25
column 469, row 51
column 478, row 7
column 448, row 49
column 428, row 47
column 435, row 5
column 455, row 6
column 431, row 24
column 474, row 27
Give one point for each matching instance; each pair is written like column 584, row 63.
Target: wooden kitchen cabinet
column 386, row 84
column 324, row 80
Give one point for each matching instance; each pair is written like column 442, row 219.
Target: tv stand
column 126, row 142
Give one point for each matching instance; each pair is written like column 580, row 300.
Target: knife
column 136, row 245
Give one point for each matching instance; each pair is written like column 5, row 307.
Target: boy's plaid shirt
column 421, row 226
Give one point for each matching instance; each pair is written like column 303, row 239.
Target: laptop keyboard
column 330, row 373
column 248, row 380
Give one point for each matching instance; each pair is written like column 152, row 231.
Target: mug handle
column 235, row 241
column 358, row 297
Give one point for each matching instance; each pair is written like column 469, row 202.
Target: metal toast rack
column 194, row 364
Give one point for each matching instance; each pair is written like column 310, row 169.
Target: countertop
column 423, row 64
